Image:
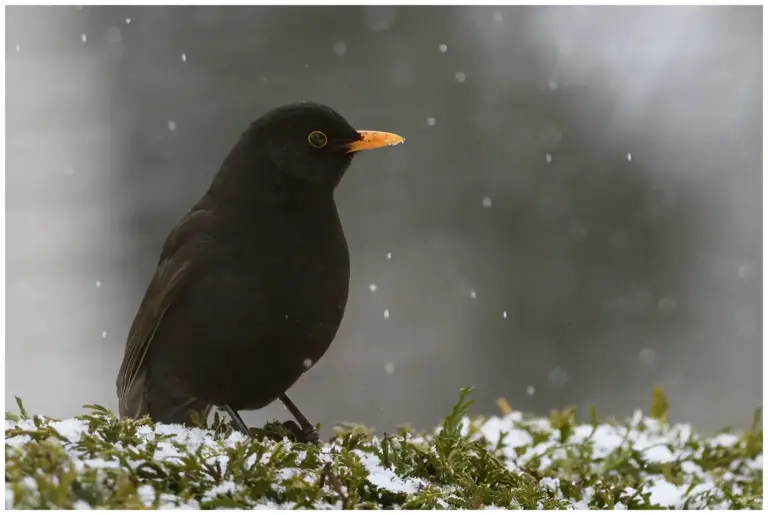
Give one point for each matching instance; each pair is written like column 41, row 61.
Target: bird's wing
column 183, row 251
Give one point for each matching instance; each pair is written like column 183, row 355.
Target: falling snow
column 746, row 272
column 307, row 363
column 647, row 356
column 558, row 376
column 667, row 304
column 379, row 17
column 664, row 303
column 114, row 35
column 340, row 48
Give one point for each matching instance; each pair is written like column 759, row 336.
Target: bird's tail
column 146, row 397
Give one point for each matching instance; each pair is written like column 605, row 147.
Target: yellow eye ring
column 317, row 139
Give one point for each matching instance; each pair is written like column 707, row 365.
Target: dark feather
column 176, row 263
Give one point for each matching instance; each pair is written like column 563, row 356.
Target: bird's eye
column 317, row 139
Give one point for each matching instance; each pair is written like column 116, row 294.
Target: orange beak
column 370, row 140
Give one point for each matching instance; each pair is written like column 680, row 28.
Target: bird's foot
column 274, row 431
column 304, row 431
column 306, row 434
column 237, row 422
column 278, row 430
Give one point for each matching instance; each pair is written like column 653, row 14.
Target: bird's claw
column 306, row 434
column 278, row 430
column 310, row 435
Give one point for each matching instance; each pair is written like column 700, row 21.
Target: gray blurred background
column 575, row 217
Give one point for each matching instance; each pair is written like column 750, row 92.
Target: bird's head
column 313, row 143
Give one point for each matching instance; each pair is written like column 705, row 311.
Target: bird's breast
column 299, row 270
column 265, row 308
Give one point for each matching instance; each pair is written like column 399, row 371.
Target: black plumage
column 252, row 284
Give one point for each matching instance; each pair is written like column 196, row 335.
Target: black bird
column 252, row 284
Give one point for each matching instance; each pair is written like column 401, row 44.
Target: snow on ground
column 656, row 443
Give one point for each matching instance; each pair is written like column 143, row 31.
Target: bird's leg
column 308, row 432
column 237, row 421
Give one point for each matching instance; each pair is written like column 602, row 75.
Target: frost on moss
column 514, row 461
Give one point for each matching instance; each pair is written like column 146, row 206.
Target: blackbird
column 252, row 284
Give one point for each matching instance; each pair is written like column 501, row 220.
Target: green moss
column 514, row 462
